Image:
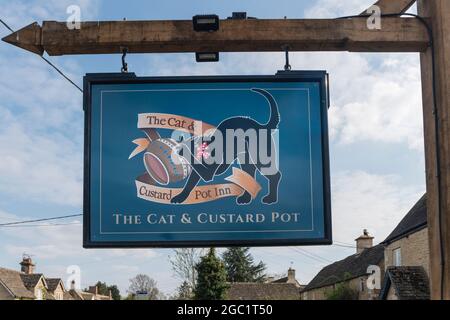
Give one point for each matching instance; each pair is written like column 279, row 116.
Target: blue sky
column 376, row 133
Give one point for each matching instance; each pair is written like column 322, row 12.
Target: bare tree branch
column 183, row 264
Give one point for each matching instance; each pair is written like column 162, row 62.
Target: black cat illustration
column 250, row 162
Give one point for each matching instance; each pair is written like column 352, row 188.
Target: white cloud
column 36, row 165
column 383, row 105
column 6, row 217
column 41, row 127
column 361, row 200
column 126, row 269
column 21, row 13
column 375, row 97
column 337, row 8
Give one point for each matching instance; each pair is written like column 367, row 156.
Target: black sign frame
column 282, row 76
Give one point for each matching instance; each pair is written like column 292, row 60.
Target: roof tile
column 263, row 291
column 31, row 280
column 14, row 283
column 350, row 267
column 52, row 283
column 409, row 283
column 414, row 220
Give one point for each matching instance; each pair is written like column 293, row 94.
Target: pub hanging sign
column 206, row 161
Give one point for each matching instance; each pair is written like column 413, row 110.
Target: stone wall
column 414, row 250
column 359, row 284
column 59, row 293
column 40, row 287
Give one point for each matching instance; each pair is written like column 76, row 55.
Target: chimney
column 27, row 265
column 363, row 242
column 72, row 285
column 110, row 294
column 291, row 276
column 93, row 289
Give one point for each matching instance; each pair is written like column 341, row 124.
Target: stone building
column 290, row 278
column 353, row 271
column 402, row 258
column 56, row 289
column 89, row 294
column 407, row 257
column 407, row 245
column 286, row 288
column 12, row 286
column 28, row 285
column 37, row 285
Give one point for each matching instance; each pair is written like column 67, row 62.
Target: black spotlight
column 207, row 56
column 206, row 22
column 239, row 16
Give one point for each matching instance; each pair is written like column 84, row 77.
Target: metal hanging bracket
column 287, row 66
column 124, row 63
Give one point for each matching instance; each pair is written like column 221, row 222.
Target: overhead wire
column 44, row 225
column 38, row 220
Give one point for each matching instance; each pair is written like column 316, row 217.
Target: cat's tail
column 274, row 120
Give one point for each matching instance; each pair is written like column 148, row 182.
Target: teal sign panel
column 206, row 161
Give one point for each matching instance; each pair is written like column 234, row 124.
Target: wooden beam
column 393, row 6
column 397, row 34
column 28, row 38
column 439, row 13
